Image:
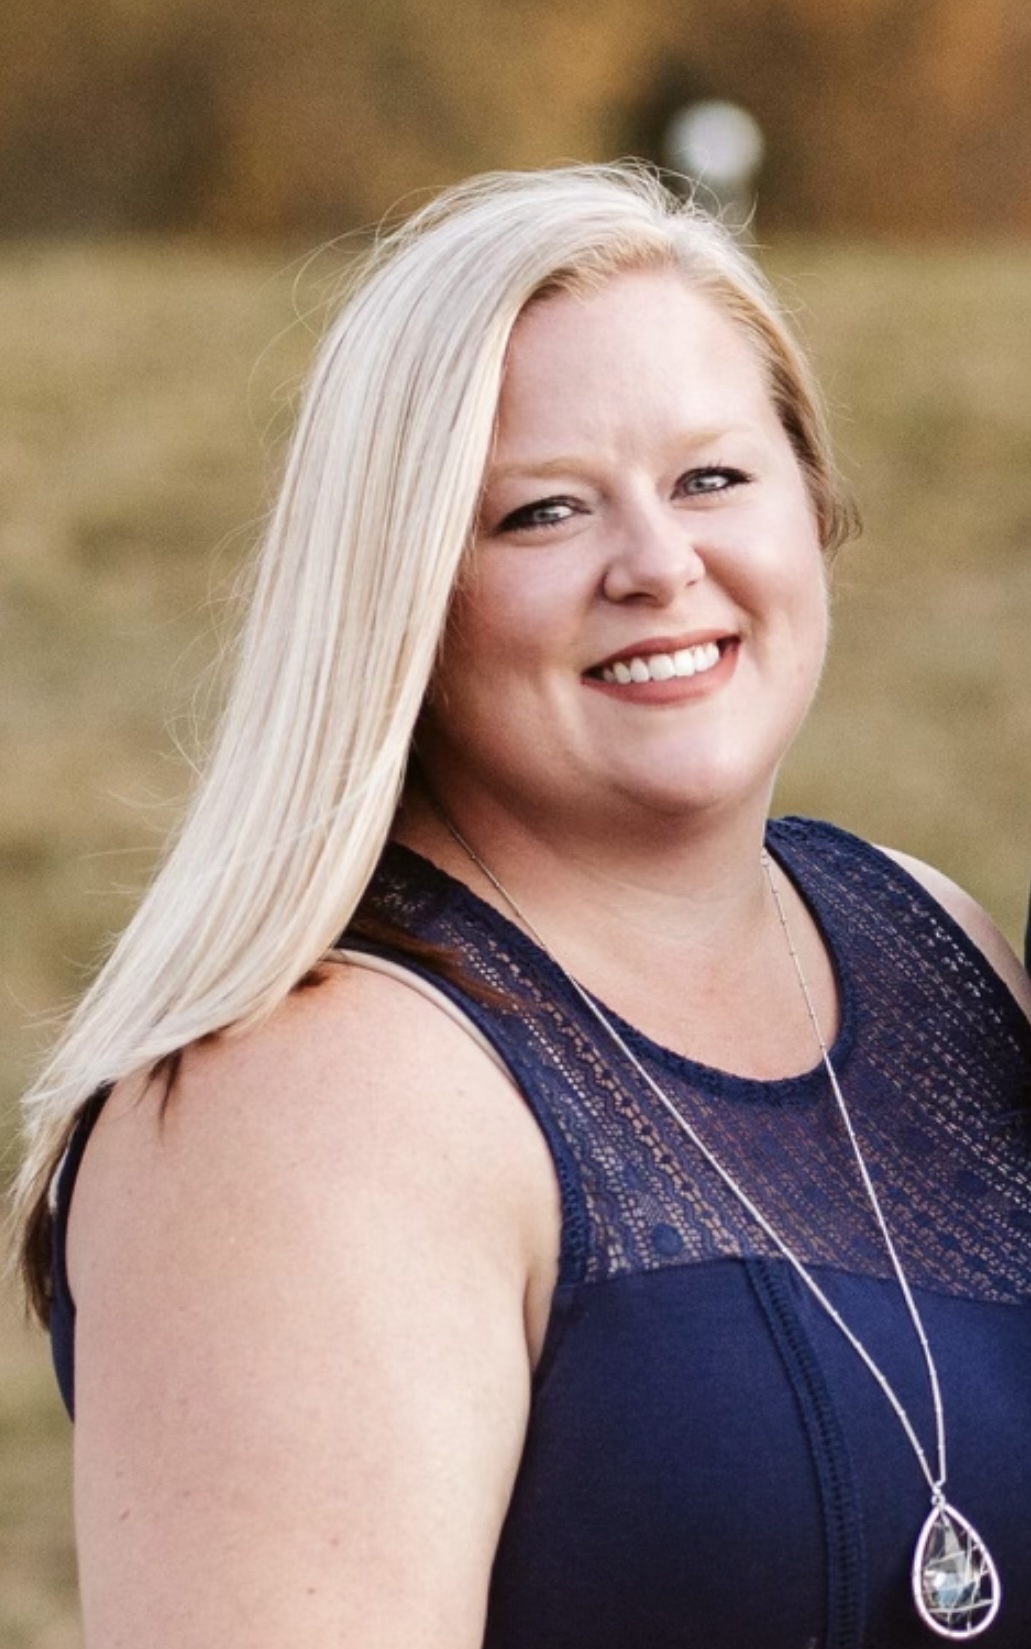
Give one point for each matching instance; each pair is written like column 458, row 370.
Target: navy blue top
column 708, row 1464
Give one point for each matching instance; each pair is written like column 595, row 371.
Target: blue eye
column 712, row 478
column 544, row 512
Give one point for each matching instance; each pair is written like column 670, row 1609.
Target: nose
column 655, row 554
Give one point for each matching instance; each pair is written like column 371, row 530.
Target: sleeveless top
column 708, row 1464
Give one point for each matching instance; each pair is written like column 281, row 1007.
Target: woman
column 437, row 1304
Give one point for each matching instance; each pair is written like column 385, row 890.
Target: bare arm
column 974, row 921
column 303, row 1364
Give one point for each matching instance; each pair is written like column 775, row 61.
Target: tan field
column 144, row 390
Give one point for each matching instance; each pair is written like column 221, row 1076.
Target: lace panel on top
column 934, row 1057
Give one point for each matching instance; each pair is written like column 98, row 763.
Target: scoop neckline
column 805, row 1087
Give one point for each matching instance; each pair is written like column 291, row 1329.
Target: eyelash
column 729, row 473
column 520, row 520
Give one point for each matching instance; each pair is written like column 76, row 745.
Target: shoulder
column 302, row 1289
column 973, row 919
column 841, row 855
column 355, row 1091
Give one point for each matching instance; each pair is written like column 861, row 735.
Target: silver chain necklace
column 956, row 1586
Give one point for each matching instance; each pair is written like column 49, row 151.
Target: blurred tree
column 897, row 116
column 310, row 116
column 110, row 115
column 273, row 119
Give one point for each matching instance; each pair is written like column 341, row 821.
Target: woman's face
column 643, row 621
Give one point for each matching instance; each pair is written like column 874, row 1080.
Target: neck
column 660, row 878
column 675, row 929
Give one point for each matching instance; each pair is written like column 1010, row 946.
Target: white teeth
column 687, row 661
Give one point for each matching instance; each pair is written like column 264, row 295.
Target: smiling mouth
column 686, row 661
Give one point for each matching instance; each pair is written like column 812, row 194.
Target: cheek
column 482, row 643
column 803, row 563
column 798, row 593
column 509, row 614
column 813, row 585
column 818, row 619
column 813, row 605
column 785, row 579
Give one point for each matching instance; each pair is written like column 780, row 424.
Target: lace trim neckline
column 804, row 1088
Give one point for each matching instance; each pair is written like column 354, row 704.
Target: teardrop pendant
column 955, row 1582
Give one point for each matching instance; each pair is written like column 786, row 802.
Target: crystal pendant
column 955, row 1583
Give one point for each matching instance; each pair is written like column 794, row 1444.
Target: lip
column 662, row 644
column 647, row 695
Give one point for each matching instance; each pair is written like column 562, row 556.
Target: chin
column 698, row 796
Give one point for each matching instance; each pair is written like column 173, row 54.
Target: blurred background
column 167, row 168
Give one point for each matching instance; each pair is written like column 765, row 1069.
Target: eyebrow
column 566, row 464
column 547, row 467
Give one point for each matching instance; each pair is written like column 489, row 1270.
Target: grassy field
column 143, row 392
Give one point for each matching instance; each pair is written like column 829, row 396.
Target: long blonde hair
column 349, row 604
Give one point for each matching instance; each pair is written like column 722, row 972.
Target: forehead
column 642, row 338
